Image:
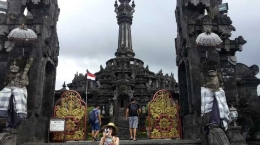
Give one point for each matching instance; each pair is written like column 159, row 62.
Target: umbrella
column 208, row 39
column 22, row 34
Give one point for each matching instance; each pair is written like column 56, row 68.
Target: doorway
column 123, row 102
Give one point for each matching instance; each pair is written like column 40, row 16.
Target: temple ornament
column 71, row 107
column 163, row 116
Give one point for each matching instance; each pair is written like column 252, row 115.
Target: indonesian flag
column 90, row 76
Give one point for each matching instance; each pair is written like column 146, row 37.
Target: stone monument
column 124, row 76
column 42, row 18
column 192, row 21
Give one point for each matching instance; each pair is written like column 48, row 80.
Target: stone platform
column 127, row 142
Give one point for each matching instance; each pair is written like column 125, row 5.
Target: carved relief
column 255, row 69
column 224, row 20
column 207, row 28
column 232, row 60
column 217, row 136
column 4, row 29
column 2, row 18
column 46, row 48
column 15, row 7
column 206, row 20
column 191, row 30
column 47, row 2
column 211, row 76
column 196, row 2
column 193, row 17
column 9, row 45
column 225, row 30
column 37, row 29
column 36, row 1
column 18, row 76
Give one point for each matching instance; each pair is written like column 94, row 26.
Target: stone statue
column 103, row 110
column 213, row 80
column 143, row 109
column 111, row 110
column 214, row 108
column 13, row 98
column 213, row 97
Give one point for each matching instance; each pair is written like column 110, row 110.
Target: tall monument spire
column 124, row 19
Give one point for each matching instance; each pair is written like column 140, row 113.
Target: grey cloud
column 88, row 30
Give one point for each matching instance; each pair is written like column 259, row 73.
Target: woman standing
column 109, row 132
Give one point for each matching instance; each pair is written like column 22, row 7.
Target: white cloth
column 207, row 97
column 20, row 99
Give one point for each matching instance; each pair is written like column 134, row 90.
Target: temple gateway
column 210, row 80
column 123, row 77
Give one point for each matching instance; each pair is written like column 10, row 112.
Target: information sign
column 57, row 125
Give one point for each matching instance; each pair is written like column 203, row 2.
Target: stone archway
column 122, row 102
column 48, row 89
column 183, row 89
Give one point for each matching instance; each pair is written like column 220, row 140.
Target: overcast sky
column 88, row 34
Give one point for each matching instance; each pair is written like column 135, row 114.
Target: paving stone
column 127, row 142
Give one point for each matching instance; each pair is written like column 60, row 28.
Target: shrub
column 142, row 134
column 89, row 137
column 147, row 121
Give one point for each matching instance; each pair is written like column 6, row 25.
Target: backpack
column 92, row 116
column 133, row 109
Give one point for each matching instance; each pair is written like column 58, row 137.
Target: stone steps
column 123, row 125
column 127, row 142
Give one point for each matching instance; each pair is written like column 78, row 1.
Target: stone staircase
column 122, row 124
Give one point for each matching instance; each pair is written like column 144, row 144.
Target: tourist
column 132, row 112
column 96, row 123
column 109, row 132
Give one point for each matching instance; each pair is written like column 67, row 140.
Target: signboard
column 57, row 125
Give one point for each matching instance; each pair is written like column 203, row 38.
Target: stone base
column 8, row 137
column 217, row 136
column 127, row 142
column 234, row 135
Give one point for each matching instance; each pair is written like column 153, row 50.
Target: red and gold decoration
column 163, row 116
column 71, row 107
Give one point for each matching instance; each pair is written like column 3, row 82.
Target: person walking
column 95, row 121
column 132, row 113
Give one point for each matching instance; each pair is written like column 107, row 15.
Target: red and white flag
column 90, row 76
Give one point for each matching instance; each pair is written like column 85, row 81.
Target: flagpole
column 87, row 89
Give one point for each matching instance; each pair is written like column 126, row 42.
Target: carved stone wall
column 248, row 100
column 191, row 21
column 42, row 18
